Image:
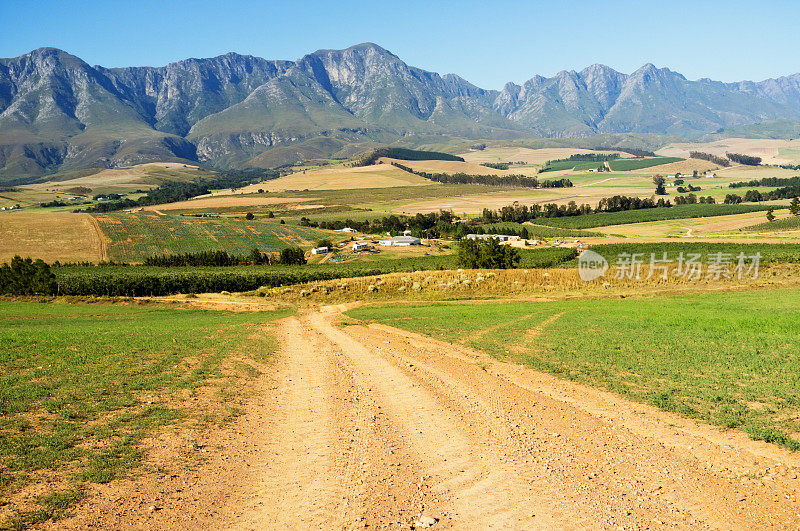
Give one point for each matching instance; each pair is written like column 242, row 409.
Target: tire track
column 101, row 239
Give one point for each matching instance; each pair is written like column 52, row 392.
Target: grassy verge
column 729, row 359
column 81, row 386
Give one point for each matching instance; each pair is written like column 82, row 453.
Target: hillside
column 58, row 113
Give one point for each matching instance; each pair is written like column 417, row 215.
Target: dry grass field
column 771, row 151
column 340, row 178
column 228, row 201
column 683, row 166
column 527, row 155
column 471, row 168
column 693, row 227
column 50, row 236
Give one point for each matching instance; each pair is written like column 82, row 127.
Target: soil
column 359, row 426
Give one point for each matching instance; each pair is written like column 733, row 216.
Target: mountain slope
column 57, row 112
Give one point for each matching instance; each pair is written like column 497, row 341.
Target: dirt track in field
column 371, row 427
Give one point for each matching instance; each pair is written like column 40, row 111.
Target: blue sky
column 487, row 42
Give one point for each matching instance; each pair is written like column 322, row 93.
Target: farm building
column 501, row 237
column 320, row 250
column 400, row 241
column 360, row 246
column 348, row 229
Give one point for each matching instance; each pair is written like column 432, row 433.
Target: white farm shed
column 400, row 241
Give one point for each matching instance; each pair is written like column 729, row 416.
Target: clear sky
column 487, row 42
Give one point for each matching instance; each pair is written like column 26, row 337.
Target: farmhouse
column 320, row 250
column 501, row 237
column 400, row 241
column 348, row 229
column 360, row 246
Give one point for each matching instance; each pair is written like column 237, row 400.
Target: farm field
column 79, row 405
column 133, row 237
column 640, row 164
column 605, row 219
column 722, row 357
column 446, row 166
column 230, row 202
column 696, row 227
column 150, row 280
column 782, row 223
column 527, row 155
column 49, row 235
column 339, row 178
column 772, row 151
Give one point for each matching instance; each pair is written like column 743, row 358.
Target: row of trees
column 287, row 256
column 767, row 181
column 522, row 181
column 719, row 161
column 636, row 152
column 371, row 157
column 788, row 192
column 174, row 191
column 691, row 199
column 747, row 160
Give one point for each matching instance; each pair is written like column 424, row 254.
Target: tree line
column 371, row 157
column 747, row 160
column 175, row 191
column 520, row 181
column 691, row 199
column 287, row 256
column 767, row 181
column 719, row 161
column 636, row 152
column 787, row 192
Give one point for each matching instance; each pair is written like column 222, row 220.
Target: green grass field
column 605, row 219
column 727, row 358
column 770, row 252
column 640, row 164
column 137, row 236
column 82, row 384
column 790, row 223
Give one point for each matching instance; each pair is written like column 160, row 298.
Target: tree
column 770, row 214
column 794, row 207
column 283, row 222
column 271, row 214
column 325, row 242
column 658, row 180
column 249, row 216
column 292, row 256
column 486, row 254
column 26, row 277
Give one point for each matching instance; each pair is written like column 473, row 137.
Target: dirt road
column 370, row 427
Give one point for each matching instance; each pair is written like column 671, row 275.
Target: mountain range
column 58, row 113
